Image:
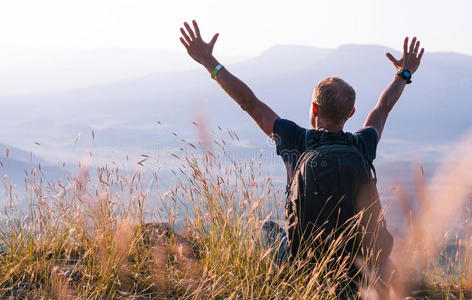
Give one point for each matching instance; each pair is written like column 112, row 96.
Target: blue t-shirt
column 290, row 142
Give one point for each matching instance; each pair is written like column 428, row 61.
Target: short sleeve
column 368, row 140
column 289, row 139
column 288, row 136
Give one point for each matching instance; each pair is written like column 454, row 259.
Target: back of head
column 335, row 100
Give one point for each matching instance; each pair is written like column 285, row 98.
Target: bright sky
column 246, row 27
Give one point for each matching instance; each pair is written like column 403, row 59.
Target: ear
column 315, row 109
column 352, row 112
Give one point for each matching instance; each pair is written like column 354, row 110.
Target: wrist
column 397, row 78
column 405, row 75
column 210, row 63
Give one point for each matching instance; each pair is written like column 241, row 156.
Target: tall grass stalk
column 95, row 237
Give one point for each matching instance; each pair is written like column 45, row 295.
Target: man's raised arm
column 238, row 90
column 405, row 67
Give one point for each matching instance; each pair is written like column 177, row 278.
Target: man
column 332, row 105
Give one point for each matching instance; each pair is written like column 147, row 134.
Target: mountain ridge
column 176, row 98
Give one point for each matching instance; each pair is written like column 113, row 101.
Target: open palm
column 411, row 58
column 193, row 42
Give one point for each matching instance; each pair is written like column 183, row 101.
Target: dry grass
column 87, row 238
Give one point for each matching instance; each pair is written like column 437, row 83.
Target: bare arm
column 410, row 61
column 378, row 116
column 235, row 88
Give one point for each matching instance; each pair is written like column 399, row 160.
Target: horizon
column 110, row 118
column 66, row 74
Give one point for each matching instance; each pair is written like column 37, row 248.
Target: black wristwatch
column 405, row 74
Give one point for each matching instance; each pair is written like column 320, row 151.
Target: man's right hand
column 196, row 47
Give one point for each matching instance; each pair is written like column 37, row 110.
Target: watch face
column 406, row 73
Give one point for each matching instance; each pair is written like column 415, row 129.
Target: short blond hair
column 335, row 99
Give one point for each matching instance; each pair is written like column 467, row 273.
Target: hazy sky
column 246, row 27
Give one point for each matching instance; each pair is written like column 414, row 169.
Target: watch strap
column 402, row 75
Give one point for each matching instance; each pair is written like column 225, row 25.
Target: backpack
column 332, row 182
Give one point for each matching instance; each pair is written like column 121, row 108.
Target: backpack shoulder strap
column 295, row 169
column 312, row 137
column 354, row 139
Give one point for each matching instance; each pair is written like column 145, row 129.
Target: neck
column 321, row 124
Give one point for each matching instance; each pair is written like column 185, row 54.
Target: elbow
column 384, row 109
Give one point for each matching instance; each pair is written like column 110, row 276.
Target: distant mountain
column 433, row 112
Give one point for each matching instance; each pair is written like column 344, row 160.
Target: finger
column 185, row 35
column 184, row 43
column 392, row 59
column 190, row 31
column 412, row 45
column 421, row 54
column 213, row 40
column 417, row 46
column 197, row 30
column 405, row 46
